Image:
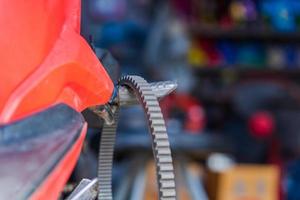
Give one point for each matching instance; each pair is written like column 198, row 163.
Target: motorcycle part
column 49, row 66
column 37, row 157
column 127, row 98
column 86, row 190
column 160, row 143
column 160, row 89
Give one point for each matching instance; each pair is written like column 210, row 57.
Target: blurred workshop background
column 234, row 121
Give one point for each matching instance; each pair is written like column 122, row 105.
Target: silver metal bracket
column 124, row 96
column 86, row 190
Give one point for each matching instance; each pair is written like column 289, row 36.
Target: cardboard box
column 244, row 182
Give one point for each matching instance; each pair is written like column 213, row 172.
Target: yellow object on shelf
column 197, row 57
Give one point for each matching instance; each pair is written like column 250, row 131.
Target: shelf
column 244, row 72
column 211, row 32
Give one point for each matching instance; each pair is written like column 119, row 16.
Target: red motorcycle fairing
column 37, row 157
column 45, row 61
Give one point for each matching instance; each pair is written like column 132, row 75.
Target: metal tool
column 86, row 190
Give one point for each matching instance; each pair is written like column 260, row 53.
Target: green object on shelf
column 251, row 56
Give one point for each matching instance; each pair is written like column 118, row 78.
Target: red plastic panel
column 45, row 61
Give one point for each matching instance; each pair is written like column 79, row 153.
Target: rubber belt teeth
column 161, row 146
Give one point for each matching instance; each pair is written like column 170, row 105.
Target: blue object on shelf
column 282, row 13
column 292, row 180
column 228, row 50
column 290, row 56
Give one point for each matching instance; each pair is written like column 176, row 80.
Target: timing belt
column 160, row 143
